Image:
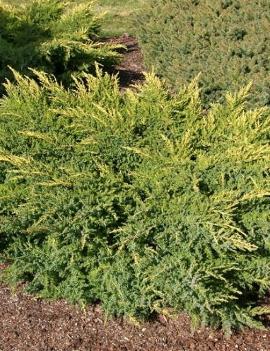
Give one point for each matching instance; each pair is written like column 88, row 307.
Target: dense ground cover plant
column 118, row 14
column 226, row 40
column 138, row 200
column 58, row 37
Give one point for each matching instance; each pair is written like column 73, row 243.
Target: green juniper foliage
column 138, row 200
column 54, row 36
column 226, row 40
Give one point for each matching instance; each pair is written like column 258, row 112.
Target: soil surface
column 131, row 68
column 28, row 323
column 31, row 324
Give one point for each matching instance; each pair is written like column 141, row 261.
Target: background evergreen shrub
column 138, row 200
column 58, row 37
column 226, row 40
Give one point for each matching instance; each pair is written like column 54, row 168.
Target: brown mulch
column 32, row 324
column 131, row 68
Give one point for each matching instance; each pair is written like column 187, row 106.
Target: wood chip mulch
column 28, row 323
column 130, row 69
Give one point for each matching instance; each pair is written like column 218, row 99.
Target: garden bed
column 31, row 324
column 171, row 263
